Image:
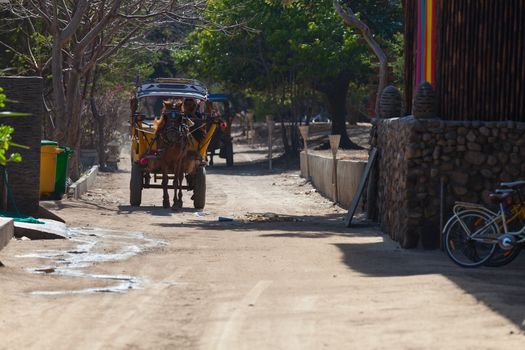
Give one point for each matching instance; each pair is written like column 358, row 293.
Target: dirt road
column 285, row 274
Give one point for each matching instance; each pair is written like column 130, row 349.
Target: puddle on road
column 94, row 246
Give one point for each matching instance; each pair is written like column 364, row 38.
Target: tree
column 83, row 34
column 282, row 51
column 352, row 20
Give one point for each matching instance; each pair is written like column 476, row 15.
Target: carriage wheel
column 135, row 185
column 229, row 154
column 199, row 192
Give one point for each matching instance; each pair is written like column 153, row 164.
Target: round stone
column 425, row 103
column 391, row 103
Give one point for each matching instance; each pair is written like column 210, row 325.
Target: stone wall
column 24, row 177
column 471, row 157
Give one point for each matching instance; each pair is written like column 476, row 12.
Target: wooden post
column 249, row 122
column 334, row 145
column 304, row 129
column 371, row 194
column 269, row 123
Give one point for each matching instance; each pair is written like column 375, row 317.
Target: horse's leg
column 180, row 177
column 177, row 184
column 175, row 187
column 165, row 195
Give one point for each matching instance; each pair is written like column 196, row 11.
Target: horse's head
column 218, row 120
column 173, row 129
column 171, row 105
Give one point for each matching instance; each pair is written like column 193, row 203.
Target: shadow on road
column 500, row 289
column 152, row 209
column 300, row 226
column 259, row 167
column 79, row 203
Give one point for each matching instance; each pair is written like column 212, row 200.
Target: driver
column 189, row 108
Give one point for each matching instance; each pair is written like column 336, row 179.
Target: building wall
column 480, row 50
column 471, row 157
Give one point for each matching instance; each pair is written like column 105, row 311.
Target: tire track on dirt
column 225, row 335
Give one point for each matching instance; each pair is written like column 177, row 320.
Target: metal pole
column 304, row 129
column 334, row 145
column 442, row 193
column 269, row 123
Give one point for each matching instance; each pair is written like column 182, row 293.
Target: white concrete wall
column 349, row 174
column 6, row 231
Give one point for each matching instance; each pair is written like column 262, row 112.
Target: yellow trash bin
column 48, row 164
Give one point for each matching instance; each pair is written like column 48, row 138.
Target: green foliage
column 122, row 69
column 5, row 143
column 303, row 40
column 24, row 45
column 397, row 62
column 2, row 98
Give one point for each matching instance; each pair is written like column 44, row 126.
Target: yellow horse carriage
column 147, row 107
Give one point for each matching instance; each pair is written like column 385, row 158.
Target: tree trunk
column 336, row 96
column 100, row 121
column 59, row 95
column 351, row 20
column 101, row 142
column 74, row 109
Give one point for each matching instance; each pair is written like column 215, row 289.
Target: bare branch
column 99, row 27
column 72, row 26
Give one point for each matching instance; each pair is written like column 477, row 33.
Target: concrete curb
column 83, row 184
column 51, row 229
column 349, row 174
column 7, row 230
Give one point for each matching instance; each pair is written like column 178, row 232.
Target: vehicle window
column 150, row 106
column 219, row 107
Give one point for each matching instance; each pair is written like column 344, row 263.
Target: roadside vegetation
column 290, row 59
column 295, row 59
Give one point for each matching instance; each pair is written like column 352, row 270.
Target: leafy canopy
column 265, row 42
column 304, row 39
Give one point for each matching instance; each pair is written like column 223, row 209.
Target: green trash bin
column 61, row 171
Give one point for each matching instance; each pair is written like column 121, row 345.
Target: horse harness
column 175, row 129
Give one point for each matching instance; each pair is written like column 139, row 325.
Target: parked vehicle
column 222, row 139
column 322, row 117
column 476, row 235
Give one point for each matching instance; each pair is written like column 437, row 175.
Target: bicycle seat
column 513, row 183
column 501, row 196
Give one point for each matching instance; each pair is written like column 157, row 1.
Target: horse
column 172, row 139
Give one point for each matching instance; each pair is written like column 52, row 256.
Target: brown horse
column 172, row 138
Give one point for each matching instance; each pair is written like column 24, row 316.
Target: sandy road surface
column 285, row 274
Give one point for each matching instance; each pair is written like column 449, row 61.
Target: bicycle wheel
column 503, row 257
column 468, row 251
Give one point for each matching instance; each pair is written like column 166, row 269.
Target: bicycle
column 476, row 235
